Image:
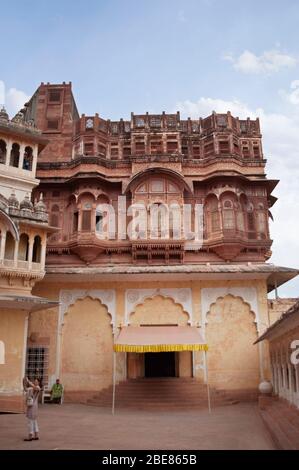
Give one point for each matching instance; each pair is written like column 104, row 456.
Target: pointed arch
column 69, row 297
column 247, row 294
column 135, row 297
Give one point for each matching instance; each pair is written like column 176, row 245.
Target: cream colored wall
column 285, row 371
column 277, row 307
column 42, row 327
column 42, row 331
column 12, row 328
column 87, row 347
column 233, row 360
column 160, row 310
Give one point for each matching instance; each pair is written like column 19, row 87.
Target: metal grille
column 37, row 364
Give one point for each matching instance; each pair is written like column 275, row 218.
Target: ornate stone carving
column 210, row 296
column 134, row 297
column 69, row 297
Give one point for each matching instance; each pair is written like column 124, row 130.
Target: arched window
column 86, row 217
column 15, row 155
column 3, row 151
column 99, row 221
column 212, row 215
column 9, row 246
column 75, row 221
column 251, row 222
column 28, row 158
column 37, row 248
column 23, row 247
column 228, row 213
column 102, row 221
column 158, row 222
column 240, row 218
column 242, row 213
column 262, row 225
column 2, row 352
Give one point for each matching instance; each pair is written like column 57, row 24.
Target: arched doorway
column 159, row 311
column 233, row 359
column 87, row 347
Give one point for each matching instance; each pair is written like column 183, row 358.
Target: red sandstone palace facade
column 216, row 161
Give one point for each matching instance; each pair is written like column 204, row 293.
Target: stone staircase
column 161, row 394
column 282, row 421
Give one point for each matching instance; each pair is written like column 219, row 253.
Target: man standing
column 57, row 392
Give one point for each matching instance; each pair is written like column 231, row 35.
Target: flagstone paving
column 72, row 426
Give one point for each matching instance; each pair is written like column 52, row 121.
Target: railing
column 165, row 157
column 21, row 265
column 36, row 266
column 9, row 263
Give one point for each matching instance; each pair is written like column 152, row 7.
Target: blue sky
column 195, row 56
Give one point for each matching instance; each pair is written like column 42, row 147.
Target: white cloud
column 12, row 99
column 281, row 149
column 182, row 17
column 205, row 106
column 292, row 96
column 269, row 62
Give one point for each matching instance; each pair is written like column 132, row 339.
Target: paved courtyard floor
column 84, row 427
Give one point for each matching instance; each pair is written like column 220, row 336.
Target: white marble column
column 30, row 251
column 22, row 154
column 34, row 159
column 8, row 151
column 2, row 246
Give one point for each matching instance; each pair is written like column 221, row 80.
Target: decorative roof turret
column 3, row 115
column 26, row 204
column 19, row 118
column 13, row 203
column 40, row 206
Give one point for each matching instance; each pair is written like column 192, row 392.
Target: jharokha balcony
column 226, row 244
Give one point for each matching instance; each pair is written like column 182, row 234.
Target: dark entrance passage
column 159, row 364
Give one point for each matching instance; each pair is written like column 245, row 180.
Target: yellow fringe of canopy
column 159, row 348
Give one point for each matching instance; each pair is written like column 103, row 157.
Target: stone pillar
column 164, row 143
column 2, row 246
column 297, row 384
column 21, row 159
column 231, row 144
column 147, row 144
column 43, row 254
column 93, row 218
column 121, row 148
column 8, row 151
column 26, row 320
column 79, row 218
column 284, row 380
column 30, row 252
column 16, row 252
column 291, row 383
column 108, row 150
column 58, row 349
column 34, row 161
column 216, row 144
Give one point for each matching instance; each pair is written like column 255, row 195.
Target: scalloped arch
column 209, row 296
column 135, row 297
column 234, row 297
column 69, row 297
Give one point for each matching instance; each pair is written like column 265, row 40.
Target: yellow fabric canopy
column 143, row 339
